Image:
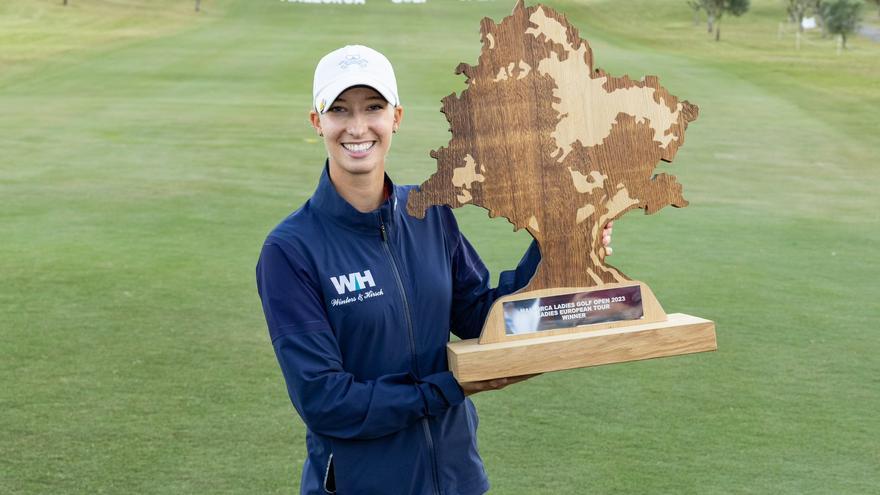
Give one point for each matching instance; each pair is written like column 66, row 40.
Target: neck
column 365, row 192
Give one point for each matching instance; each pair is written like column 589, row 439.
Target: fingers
column 520, row 378
column 606, row 238
column 483, row 386
column 471, row 388
column 606, row 232
column 498, row 384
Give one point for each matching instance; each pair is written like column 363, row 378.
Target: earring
column 321, row 134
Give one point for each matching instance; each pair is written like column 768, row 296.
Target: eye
column 376, row 107
column 336, row 109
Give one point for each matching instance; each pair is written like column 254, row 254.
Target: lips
column 358, row 149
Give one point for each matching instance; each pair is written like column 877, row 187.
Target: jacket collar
column 328, row 201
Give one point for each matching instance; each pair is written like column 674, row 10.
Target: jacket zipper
column 327, row 476
column 412, row 346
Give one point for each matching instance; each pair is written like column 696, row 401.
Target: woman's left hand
column 606, row 238
column 471, row 388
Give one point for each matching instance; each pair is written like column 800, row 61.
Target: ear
column 315, row 119
column 398, row 117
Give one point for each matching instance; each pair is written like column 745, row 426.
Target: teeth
column 358, row 147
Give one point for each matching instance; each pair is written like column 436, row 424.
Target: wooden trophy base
column 497, row 354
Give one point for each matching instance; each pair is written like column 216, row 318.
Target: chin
column 358, row 168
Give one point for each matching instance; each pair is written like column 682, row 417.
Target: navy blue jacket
column 359, row 308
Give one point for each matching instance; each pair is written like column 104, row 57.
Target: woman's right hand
column 471, row 388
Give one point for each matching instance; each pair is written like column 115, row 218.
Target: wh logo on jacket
column 353, row 282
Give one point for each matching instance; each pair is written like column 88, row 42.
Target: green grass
column 38, row 29
column 145, row 153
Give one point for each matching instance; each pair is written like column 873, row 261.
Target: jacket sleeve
column 329, row 399
column 471, row 295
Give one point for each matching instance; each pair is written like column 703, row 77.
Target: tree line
column 836, row 17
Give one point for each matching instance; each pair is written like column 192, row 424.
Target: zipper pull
column 382, row 231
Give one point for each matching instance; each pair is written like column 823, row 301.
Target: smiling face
column 357, row 129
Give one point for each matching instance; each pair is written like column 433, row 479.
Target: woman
column 360, row 298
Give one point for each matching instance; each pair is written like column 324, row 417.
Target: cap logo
column 353, row 60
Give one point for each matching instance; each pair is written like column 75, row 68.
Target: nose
column 357, row 125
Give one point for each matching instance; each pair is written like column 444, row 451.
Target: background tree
column 877, row 3
column 710, row 6
column 198, row 5
column 798, row 9
column 697, row 6
column 842, row 17
column 715, row 10
column 819, row 12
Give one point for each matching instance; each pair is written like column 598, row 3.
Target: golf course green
column 146, row 150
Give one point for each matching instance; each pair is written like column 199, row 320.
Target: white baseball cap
column 353, row 65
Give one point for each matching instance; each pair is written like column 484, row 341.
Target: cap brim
column 337, row 87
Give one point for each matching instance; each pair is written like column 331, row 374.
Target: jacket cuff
column 511, row 281
column 440, row 391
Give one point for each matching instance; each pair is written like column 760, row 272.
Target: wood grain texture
column 680, row 334
column 494, row 328
column 557, row 148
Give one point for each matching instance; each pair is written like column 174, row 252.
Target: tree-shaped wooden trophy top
column 557, row 148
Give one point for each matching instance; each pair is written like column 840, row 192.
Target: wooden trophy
column 559, row 149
